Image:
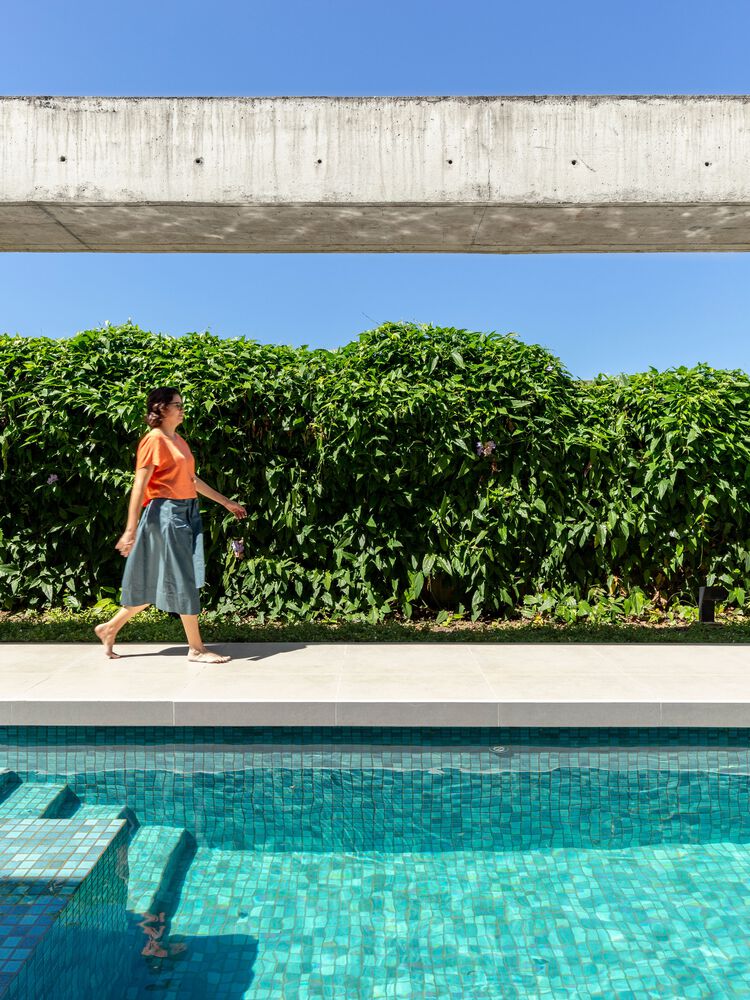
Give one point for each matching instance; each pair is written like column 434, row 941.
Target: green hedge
column 361, row 472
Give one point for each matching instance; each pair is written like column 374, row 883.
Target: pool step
column 8, row 780
column 157, row 855
column 94, row 810
column 154, row 857
column 33, row 799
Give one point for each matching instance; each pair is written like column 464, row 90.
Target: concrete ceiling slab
column 377, row 174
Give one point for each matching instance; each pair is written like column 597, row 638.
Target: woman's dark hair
column 157, row 402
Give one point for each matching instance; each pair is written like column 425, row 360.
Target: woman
column 164, row 552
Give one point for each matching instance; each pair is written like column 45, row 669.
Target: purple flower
column 485, row 449
column 238, row 547
column 52, row 479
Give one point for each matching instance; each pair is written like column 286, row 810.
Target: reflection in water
column 154, row 926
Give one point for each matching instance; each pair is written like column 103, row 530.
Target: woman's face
column 173, row 412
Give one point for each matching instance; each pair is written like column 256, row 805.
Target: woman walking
column 164, row 549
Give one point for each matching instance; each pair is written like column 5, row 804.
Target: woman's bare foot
column 206, row 656
column 107, row 636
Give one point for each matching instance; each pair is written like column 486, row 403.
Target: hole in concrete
column 320, row 161
column 707, row 163
column 450, row 161
column 199, row 159
column 63, row 159
column 574, row 162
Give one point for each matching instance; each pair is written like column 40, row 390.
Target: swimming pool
column 419, row 862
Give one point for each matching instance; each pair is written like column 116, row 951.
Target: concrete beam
column 375, row 174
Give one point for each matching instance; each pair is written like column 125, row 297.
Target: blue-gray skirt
column 165, row 567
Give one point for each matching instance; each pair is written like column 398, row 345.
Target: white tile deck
column 386, row 684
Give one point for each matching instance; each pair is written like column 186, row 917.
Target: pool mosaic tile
column 43, row 800
column 154, row 854
column 351, row 864
column 563, row 923
column 62, row 890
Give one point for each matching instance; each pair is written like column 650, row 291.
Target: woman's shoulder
column 154, row 437
column 152, row 441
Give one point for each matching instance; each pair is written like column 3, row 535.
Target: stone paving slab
column 378, row 684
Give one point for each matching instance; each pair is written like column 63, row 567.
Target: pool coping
column 378, row 684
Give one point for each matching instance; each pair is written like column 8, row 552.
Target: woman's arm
column 127, row 538
column 205, row 490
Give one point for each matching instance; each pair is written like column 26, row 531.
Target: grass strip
column 155, row 626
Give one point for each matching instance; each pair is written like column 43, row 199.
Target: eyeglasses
column 180, row 406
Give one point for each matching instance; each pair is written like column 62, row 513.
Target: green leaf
column 427, row 563
column 416, row 583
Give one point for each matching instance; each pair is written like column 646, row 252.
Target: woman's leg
column 197, row 650
column 107, row 631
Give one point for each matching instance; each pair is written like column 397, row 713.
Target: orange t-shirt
column 174, row 467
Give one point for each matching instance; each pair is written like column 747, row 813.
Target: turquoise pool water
column 422, row 863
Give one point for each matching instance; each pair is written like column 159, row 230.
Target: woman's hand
column 207, row 491
column 126, row 542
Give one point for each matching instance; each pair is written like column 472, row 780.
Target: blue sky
column 613, row 312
